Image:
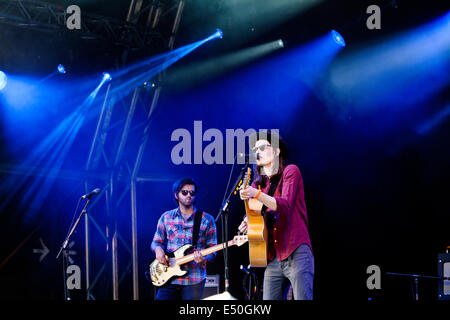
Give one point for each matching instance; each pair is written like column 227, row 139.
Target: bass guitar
column 160, row 273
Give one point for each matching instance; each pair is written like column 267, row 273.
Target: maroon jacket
column 289, row 224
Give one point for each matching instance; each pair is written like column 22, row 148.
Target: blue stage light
column 215, row 35
column 338, row 38
column 61, row 69
column 106, row 76
column 3, row 80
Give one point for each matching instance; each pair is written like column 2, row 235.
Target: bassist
column 185, row 225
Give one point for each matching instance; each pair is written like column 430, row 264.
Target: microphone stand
column 416, row 278
column 223, row 214
column 63, row 248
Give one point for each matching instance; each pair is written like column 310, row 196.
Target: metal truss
column 106, row 164
column 138, row 30
column 143, row 99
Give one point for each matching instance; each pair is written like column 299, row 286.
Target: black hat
column 272, row 137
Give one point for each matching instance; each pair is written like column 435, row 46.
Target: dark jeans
column 179, row 292
column 298, row 268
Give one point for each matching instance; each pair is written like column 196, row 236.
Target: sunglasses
column 261, row 147
column 185, row 193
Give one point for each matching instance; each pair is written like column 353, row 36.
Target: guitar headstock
column 247, row 176
column 240, row 240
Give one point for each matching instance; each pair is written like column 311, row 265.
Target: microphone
column 248, row 156
column 90, row 194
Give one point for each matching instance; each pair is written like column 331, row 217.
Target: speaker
column 212, row 285
column 444, row 271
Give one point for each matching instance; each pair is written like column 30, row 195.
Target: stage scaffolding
column 106, row 166
column 115, row 190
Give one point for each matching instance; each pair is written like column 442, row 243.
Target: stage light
column 3, row 80
column 61, row 69
column 338, row 38
column 202, row 71
column 215, row 35
column 149, row 84
column 106, row 76
column 135, row 75
column 390, row 81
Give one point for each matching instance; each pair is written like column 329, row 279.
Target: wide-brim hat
column 274, row 139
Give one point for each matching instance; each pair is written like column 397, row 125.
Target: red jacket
column 290, row 221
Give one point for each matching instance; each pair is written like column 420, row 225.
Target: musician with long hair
column 279, row 187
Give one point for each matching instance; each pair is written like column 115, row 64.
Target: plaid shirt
column 173, row 231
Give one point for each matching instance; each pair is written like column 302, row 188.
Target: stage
column 117, row 102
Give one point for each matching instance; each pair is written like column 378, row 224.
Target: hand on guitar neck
column 247, row 193
column 250, row 193
column 198, row 258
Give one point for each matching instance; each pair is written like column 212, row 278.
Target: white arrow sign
column 44, row 251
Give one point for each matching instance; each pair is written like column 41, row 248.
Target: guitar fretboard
column 204, row 252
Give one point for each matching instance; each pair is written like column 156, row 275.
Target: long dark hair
column 260, row 179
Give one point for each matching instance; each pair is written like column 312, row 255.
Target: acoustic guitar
column 257, row 231
column 160, row 274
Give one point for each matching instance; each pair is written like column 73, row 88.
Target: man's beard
column 186, row 203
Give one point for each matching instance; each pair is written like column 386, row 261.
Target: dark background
column 376, row 190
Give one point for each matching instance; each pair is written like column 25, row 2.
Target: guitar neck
column 204, row 252
column 247, row 207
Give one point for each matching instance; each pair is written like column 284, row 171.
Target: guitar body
column 161, row 274
column 257, row 234
column 257, row 231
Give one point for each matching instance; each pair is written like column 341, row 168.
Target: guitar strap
column 269, row 219
column 273, row 187
column 196, row 229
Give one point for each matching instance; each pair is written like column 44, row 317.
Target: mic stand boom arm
column 66, row 241
column 64, row 249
